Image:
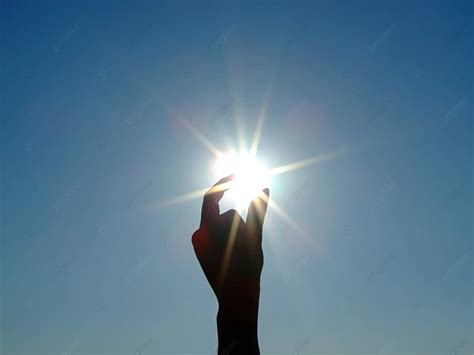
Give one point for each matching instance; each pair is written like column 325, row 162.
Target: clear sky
column 91, row 143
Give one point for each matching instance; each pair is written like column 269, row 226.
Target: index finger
column 210, row 203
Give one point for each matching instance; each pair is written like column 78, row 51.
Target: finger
column 210, row 203
column 256, row 213
column 231, row 217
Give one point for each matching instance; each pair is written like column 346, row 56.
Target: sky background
column 93, row 263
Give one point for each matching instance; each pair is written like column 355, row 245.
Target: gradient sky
column 92, row 263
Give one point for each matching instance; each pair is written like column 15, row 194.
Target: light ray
column 272, row 172
column 303, row 163
column 236, row 87
column 261, row 120
column 264, row 197
column 229, row 249
column 240, row 127
column 290, row 221
column 194, row 131
column 182, row 198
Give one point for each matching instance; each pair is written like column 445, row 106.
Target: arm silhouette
column 229, row 251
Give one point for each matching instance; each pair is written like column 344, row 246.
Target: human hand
column 230, row 253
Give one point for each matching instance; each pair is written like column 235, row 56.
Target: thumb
column 256, row 213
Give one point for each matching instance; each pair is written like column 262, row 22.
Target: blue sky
column 93, row 264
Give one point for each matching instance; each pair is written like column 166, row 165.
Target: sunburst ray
column 261, row 120
column 229, row 249
column 306, row 162
column 194, row 131
column 302, row 232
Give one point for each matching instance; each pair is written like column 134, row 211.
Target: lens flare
column 250, row 176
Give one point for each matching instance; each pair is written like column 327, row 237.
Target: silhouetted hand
column 230, row 253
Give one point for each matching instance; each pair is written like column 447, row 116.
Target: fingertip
column 226, row 179
column 264, row 196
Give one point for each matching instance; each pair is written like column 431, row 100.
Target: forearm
column 237, row 323
column 237, row 335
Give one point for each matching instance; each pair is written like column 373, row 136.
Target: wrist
column 237, row 321
column 240, row 302
column 237, row 333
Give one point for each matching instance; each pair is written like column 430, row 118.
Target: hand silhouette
column 230, row 253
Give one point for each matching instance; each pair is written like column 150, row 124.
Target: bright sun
column 250, row 176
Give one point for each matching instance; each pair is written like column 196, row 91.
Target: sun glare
column 250, row 176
